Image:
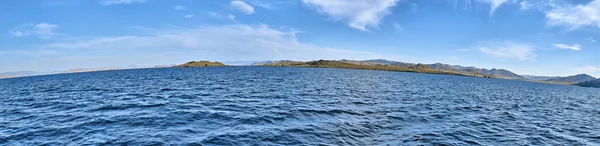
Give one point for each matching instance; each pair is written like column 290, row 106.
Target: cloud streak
column 358, row 14
column 179, row 7
column 231, row 42
column 41, row 30
column 494, row 4
column 574, row 47
column 509, row 50
column 117, row 2
column 223, row 17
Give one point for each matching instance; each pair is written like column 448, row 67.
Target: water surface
column 292, row 106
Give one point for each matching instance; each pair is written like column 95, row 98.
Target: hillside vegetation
column 201, row 64
column 420, row 68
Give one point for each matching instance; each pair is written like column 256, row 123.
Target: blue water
column 292, row 106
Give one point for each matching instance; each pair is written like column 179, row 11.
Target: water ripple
column 291, row 106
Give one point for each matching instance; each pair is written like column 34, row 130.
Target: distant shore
column 345, row 64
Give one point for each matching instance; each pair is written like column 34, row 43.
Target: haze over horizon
column 528, row 37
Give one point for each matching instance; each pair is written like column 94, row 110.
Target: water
column 292, row 106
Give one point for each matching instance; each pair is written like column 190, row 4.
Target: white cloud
column 223, row 17
column 179, row 7
column 359, row 14
column 228, row 42
column 591, row 39
column 574, row 47
column 188, row 16
column 494, row 4
column 41, row 30
column 242, row 7
column 464, row 50
column 116, row 2
column 574, row 17
column 509, row 50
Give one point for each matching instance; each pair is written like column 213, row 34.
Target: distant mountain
column 592, row 83
column 19, row 74
column 456, row 69
column 239, row 63
column 573, row 79
column 381, row 61
column 538, row 78
column 270, row 62
column 496, row 73
column 89, row 70
column 420, row 68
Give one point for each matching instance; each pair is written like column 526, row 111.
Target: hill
column 538, row 78
column 502, row 73
column 420, row 68
column 592, row 83
column 471, row 71
column 573, row 79
column 201, row 64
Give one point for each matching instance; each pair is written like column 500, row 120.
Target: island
column 201, row 64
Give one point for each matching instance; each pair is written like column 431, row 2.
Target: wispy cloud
column 398, row 27
column 494, row 4
column 591, row 40
column 464, row 50
column 117, row 2
column 525, row 5
column 239, row 42
column 41, row 30
column 508, row 49
column 179, row 7
column 242, row 7
column 188, row 16
column 228, row 17
column 262, row 4
column 358, row 14
column 574, row 47
column 575, row 16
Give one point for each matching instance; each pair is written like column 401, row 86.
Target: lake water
column 292, row 106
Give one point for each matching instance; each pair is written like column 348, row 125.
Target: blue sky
column 537, row 37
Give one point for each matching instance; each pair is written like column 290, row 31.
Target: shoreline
column 408, row 71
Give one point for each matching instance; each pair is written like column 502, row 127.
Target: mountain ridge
column 573, row 79
column 496, row 73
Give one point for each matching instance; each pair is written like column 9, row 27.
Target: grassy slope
column 201, row 64
column 336, row 64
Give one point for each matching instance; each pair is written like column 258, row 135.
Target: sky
column 533, row 37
